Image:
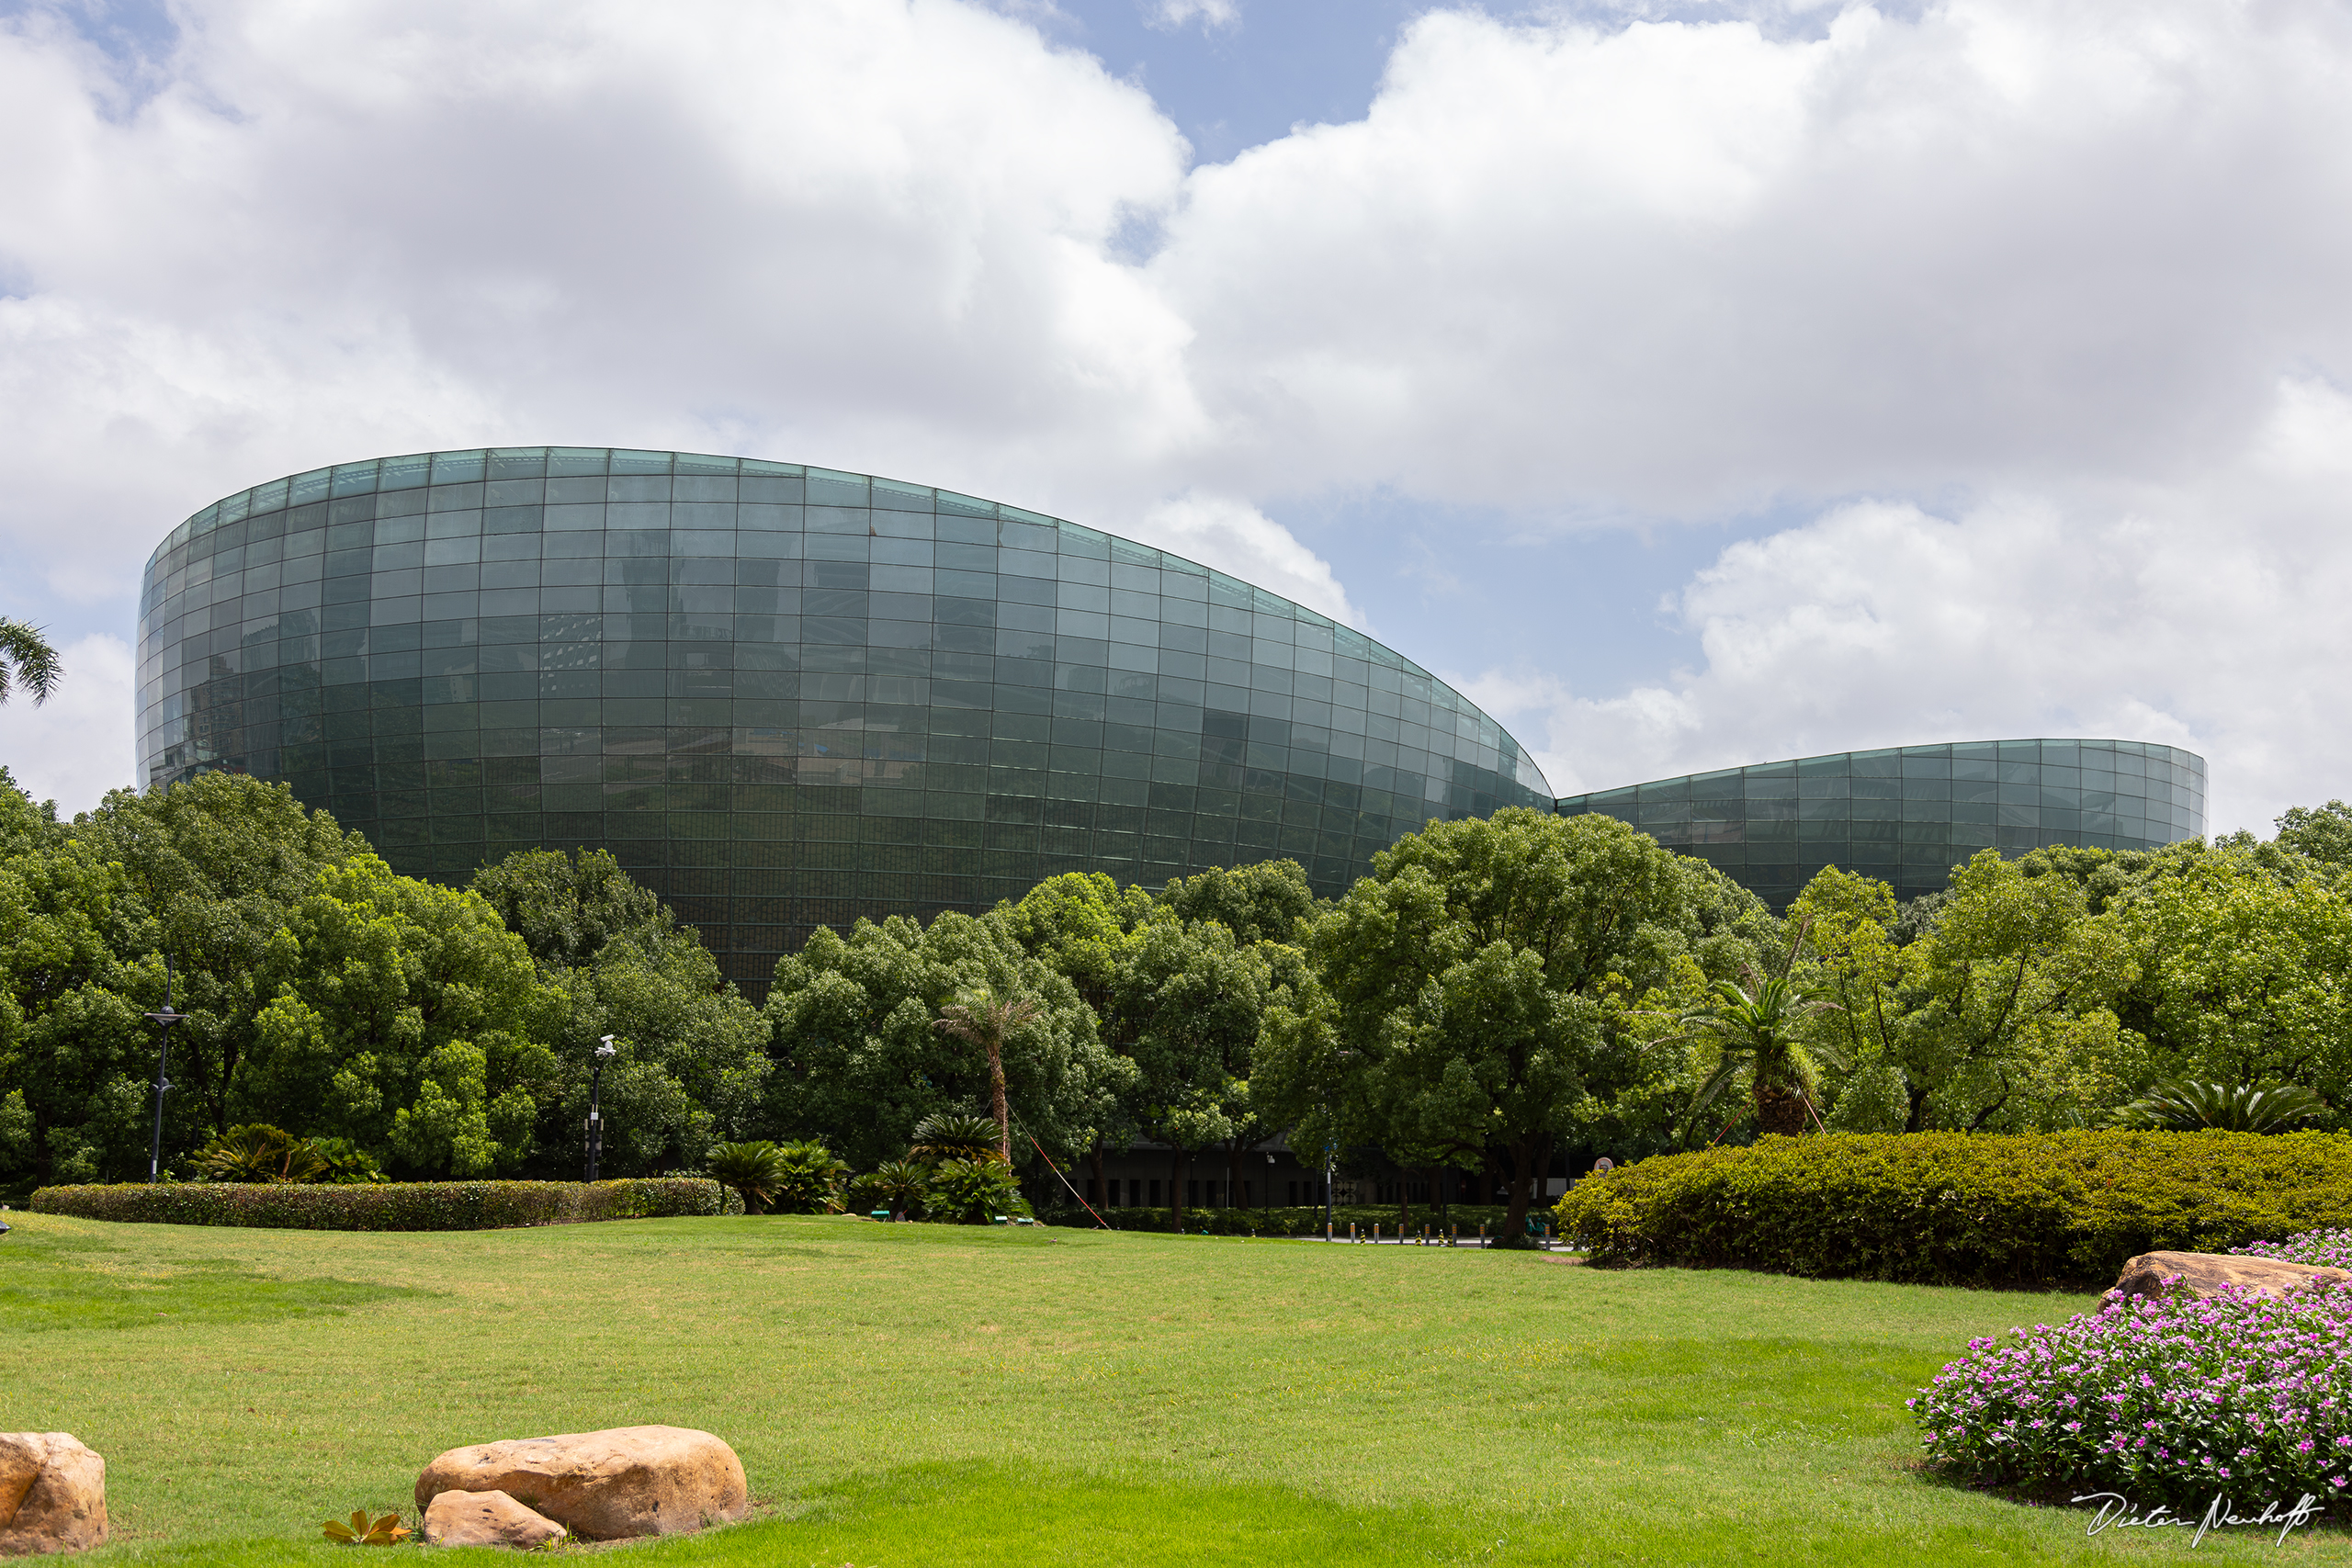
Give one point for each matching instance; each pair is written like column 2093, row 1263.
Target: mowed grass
column 916, row 1396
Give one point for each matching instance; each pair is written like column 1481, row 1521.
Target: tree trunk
column 1102, row 1184
column 997, row 1100
column 1522, row 1156
column 1778, row 1112
column 1177, row 1165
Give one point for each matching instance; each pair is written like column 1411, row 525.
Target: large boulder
column 610, row 1486
column 2204, row 1273
column 53, row 1494
column 486, row 1518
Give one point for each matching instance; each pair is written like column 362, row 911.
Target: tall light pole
column 595, row 1094
column 164, row 1019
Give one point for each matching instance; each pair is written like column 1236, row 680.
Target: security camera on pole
column 605, row 1053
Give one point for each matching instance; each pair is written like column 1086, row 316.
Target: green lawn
column 915, row 1396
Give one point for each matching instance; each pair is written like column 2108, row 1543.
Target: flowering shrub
column 2168, row 1401
column 2329, row 1249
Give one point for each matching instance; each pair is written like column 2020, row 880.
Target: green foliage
column 1267, row 901
column 858, row 1061
column 2187, row 1107
column 972, row 1192
column 952, row 1135
column 754, row 1170
column 391, row 1206
column 1758, row 1034
column 360, row 1530
column 809, row 1178
column 27, row 661
column 1954, row 1208
column 1472, row 989
column 693, row 1064
column 260, row 1153
column 899, row 1185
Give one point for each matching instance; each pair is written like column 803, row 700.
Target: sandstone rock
column 486, row 1518
column 629, row 1481
column 2204, row 1273
column 53, row 1494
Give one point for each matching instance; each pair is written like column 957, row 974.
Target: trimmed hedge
column 1285, row 1221
column 1961, row 1208
column 391, row 1206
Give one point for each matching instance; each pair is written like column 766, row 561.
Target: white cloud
column 76, row 745
column 1236, row 537
column 1211, row 14
column 2210, row 617
column 2035, row 313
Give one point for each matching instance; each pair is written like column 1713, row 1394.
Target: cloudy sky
column 1691, row 384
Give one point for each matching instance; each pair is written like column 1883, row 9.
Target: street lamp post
column 164, row 1019
column 595, row 1115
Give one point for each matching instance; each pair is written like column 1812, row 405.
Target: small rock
column 608, row 1485
column 486, row 1518
column 53, row 1494
column 2203, row 1274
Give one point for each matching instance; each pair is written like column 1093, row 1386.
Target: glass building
column 1907, row 815
column 782, row 696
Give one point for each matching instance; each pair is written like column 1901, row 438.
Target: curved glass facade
column 782, row 696
column 1907, row 816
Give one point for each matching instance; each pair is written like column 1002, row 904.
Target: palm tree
column 1758, row 1035
column 1759, row 1031
column 984, row 1018
column 27, row 660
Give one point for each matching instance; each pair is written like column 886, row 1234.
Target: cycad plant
column 954, row 1135
column 972, row 1192
column 755, row 1170
column 811, row 1179
column 986, row 1019
column 900, row 1184
column 259, row 1152
column 2181, row 1105
column 1758, row 1026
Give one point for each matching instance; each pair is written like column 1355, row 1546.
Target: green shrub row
column 1284, row 1221
column 1960, row 1208
column 391, row 1206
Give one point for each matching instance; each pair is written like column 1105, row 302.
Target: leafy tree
column 856, row 1058
column 27, row 661
column 1196, row 999
column 404, row 1016
column 1264, row 902
column 1477, row 978
column 2319, row 833
column 2240, row 979
column 693, row 1051
column 1080, row 925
